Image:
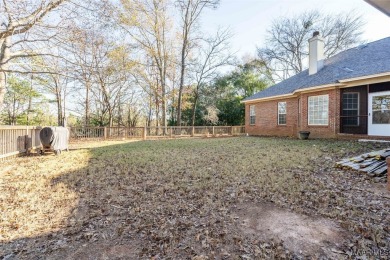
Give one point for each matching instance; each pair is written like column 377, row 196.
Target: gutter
column 340, row 83
column 384, row 74
column 298, row 91
column 381, row 5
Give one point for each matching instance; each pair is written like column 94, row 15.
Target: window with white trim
column 318, row 110
column 350, row 109
column 252, row 115
column 282, row 111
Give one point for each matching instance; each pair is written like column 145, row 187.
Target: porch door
column 379, row 113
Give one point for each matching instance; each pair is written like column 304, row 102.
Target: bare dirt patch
column 299, row 233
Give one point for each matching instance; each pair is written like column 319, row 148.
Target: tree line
column 143, row 62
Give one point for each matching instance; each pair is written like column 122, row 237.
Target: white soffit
column 382, row 5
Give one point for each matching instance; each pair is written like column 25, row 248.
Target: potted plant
column 304, row 135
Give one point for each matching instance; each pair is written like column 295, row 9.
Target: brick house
column 347, row 94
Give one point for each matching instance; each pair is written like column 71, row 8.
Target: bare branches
column 214, row 54
column 149, row 25
column 137, row 52
column 190, row 11
column 24, row 24
column 16, row 39
column 287, row 41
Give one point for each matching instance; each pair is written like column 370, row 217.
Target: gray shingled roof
column 369, row 59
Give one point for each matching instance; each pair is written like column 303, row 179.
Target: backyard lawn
column 216, row 198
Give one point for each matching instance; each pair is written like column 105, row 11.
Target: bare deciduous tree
column 212, row 55
column 54, row 81
column 287, row 40
column 18, row 19
column 83, row 53
column 148, row 23
column 110, row 78
column 190, row 11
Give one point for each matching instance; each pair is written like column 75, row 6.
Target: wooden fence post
column 213, row 131
column 105, row 133
column 193, row 131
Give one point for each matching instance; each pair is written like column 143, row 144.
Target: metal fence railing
column 91, row 133
column 15, row 140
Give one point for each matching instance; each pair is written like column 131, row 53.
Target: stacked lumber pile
column 374, row 163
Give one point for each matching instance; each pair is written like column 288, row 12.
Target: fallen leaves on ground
column 174, row 199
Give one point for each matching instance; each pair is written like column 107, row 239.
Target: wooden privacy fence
column 21, row 139
column 18, row 139
column 101, row 133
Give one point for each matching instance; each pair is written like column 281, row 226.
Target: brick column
column 388, row 172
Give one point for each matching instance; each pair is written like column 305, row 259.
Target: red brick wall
column 334, row 111
column 267, row 117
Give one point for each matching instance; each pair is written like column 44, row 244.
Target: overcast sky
column 249, row 19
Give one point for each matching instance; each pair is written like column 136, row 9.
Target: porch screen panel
column 351, row 109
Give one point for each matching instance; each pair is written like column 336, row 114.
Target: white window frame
column 358, row 107
column 252, row 114
column 285, row 112
column 318, row 110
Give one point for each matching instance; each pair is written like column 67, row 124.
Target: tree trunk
column 164, row 103
column 110, row 121
column 149, row 120
column 4, row 56
column 87, row 88
column 9, row 117
column 59, row 109
column 59, row 118
column 164, row 117
column 119, row 116
column 29, row 101
column 3, row 83
column 194, row 109
column 64, row 111
column 157, row 116
column 128, row 123
column 172, row 112
column 181, row 87
column 13, row 118
column 186, row 28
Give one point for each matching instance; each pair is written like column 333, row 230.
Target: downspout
column 337, row 113
column 300, row 116
column 367, row 107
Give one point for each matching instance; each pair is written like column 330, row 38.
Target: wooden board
column 373, row 163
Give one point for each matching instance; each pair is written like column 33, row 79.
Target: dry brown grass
column 175, row 198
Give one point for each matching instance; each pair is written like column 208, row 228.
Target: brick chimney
column 316, row 53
